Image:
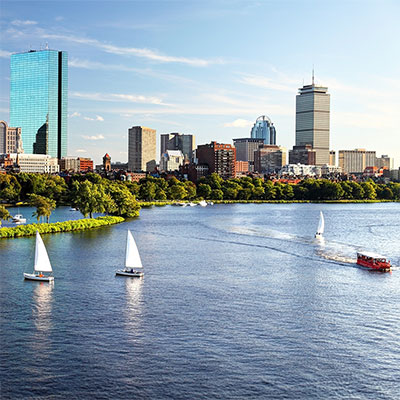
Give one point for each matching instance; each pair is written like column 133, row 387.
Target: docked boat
column 132, row 259
column 182, row 204
column 373, row 261
column 321, row 226
column 191, row 204
column 203, row 203
column 42, row 263
column 19, row 219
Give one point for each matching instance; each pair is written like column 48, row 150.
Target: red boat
column 373, row 261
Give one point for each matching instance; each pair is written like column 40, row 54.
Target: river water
column 237, row 302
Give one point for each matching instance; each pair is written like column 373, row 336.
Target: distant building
column 395, row 175
column 330, row 170
column 119, row 165
column 39, row 99
column 245, row 149
column 141, row 149
column 332, row 157
column 242, row 167
column 171, row 160
column 264, row 129
column 312, row 120
column 300, row 170
column 75, row 164
column 106, row 162
column 10, row 139
column 302, row 155
column 355, row 161
column 384, row 161
column 219, row 157
column 36, row 163
column 177, row 141
column 269, row 158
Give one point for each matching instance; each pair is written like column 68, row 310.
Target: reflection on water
column 41, row 313
column 133, row 306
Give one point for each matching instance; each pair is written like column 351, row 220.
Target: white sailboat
column 321, row 226
column 42, row 263
column 132, row 259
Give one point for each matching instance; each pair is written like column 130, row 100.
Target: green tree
column 44, row 206
column 147, row 190
column 9, row 188
column 217, row 194
column 204, row 191
column 369, row 190
column 90, row 198
column 178, row 192
column 4, row 214
column 124, row 201
column 190, row 188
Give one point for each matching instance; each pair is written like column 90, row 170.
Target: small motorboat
column 132, row 259
column 18, row 219
column 73, row 209
column 192, row 204
column 373, row 261
column 42, row 263
column 203, row 203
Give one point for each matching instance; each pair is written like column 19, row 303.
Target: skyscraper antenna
column 313, row 75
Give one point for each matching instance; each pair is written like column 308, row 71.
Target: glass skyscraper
column 264, row 129
column 39, row 100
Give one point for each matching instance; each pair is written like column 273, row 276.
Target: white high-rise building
column 312, row 120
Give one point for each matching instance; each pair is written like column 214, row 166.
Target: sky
column 210, row 68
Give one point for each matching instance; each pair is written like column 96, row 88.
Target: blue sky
column 212, row 67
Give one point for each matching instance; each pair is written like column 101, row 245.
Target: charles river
column 237, row 302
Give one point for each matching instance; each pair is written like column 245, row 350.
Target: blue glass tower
column 39, row 100
column 264, row 129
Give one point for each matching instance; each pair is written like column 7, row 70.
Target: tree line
column 91, row 193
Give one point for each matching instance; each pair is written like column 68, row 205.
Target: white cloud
column 98, row 118
column 75, row 114
column 18, row 22
column 238, row 123
column 4, row 54
column 118, row 97
column 133, row 51
column 93, row 137
column 267, row 83
column 80, row 151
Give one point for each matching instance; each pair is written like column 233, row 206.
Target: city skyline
column 180, row 70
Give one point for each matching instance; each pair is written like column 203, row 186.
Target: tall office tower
column 141, row 149
column 355, row 161
column 245, row 149
column 177, row 141
column 312, row 120
column 10, row 139
column 39, row 100
column 220, row 158
column 264, row 129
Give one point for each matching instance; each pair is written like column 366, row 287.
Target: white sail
column 42, row 262
column 132, row 258
column 321, row 224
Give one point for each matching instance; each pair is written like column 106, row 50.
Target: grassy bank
column 66, row 226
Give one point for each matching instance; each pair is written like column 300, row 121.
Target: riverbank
column 66, row 226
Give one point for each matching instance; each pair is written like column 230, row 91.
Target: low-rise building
column 269, row 158
column 36, row 163
column 171, row 160
column 299, row 170
column 355, row 161
column 10, row 139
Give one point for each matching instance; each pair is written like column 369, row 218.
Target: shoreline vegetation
column 91, row 193
column 55, row 227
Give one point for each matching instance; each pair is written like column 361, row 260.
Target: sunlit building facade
column 313, row 121
column 39, row 100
